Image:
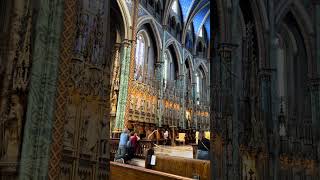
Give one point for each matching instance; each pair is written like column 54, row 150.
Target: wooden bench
column 120, row 171
column 183, row 166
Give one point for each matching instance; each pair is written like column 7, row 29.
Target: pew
column 120, row 171
column 183, row 166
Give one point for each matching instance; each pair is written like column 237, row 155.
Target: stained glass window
column 140, row 53
column 201, row 33
column 198, row 88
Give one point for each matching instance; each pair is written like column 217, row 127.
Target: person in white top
column 166, row 135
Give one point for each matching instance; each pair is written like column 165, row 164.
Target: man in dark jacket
column 203, row 147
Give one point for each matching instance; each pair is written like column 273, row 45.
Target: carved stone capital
column 225, row 51
column 314, row 83
column 265, row 73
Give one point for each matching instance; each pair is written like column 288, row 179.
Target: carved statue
column 69, row 128
column 114, row 102
column 13, row 127
column 82, row 33
column 104, row 137
column 91, row 129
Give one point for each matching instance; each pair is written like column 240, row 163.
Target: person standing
column 203, row 147
column 165, row 136
column 122, row 149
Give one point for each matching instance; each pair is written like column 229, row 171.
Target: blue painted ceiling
column 202, row 16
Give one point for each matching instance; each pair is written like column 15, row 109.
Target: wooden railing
column 143, row 146
column 129, row 172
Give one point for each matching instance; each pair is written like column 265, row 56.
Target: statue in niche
column 82, row 33
column 114, row 102
column 104, row 137
column 69, row 128
column 117, row 81
column 91, row 130
column 13, row 126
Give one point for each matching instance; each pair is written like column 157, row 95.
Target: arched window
column 201, row 33
column 201, row 90
column 198, row 88
column 167, row 67
column 175, row 7
column 140, row 56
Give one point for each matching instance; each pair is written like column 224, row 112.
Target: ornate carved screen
column 82, row 108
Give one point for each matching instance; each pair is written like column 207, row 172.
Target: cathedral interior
column 75, row 73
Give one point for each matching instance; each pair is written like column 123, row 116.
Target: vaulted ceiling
column 197, row 13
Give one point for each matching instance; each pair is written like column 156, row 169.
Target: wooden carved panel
column 84, row 90
column 15, row 65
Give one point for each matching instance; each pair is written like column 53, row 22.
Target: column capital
column 159, row 64
column 117, row 45
column 126, row 43
column 225, row 50
column 265, row 72
column 314, row 83
column 165, row 27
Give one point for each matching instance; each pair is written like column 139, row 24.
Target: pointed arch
column 176, row 49
column 305, row 27
column 191, row 17
column 299, row 12
column 149, row 20
column 126, row 18
column 188, row 57
column 204, row 67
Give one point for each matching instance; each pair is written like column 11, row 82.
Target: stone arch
column 219, row 18
column 199, row 41
column 204, row 67
column 261, row 25
column 149, row 20
column 188, row 58
column 299, row 12
column 166, row 13
column 176, row 51
column 305, row 27
column 126, row 19
column 144, row 33
column 189, row 21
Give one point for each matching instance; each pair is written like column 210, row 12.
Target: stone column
column 131, row 55
column 182, row 90
column 266, row 106
column 315, row 90
column 160, row 74
column 317, row 30
column 43, row 85
column 123, row 90
column 226, row 86
column 315, row 104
